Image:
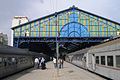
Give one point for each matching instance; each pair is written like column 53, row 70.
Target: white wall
column 17, row 20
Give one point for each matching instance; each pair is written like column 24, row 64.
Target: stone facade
column 3, row 39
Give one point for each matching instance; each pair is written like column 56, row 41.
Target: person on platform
column 39, row 61
column 36, row 62
column 55, row 62
column 60, row 61
column 43, row 65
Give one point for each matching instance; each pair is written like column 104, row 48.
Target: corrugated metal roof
column 80, row 51
column 9, row 50
column 108, row 43
column 4, row 49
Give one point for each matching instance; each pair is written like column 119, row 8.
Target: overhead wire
column 51, row 6
column 56, row 5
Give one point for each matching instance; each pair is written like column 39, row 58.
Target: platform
column 69, row 72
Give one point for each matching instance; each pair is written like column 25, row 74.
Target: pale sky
column 34, row 9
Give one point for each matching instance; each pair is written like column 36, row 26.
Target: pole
column 57, row 45
column 57, row 51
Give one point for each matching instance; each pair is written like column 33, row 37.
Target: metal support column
column 57, row 44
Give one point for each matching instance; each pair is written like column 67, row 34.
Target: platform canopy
column 71, row 25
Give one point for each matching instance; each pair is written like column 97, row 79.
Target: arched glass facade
column 72, row 22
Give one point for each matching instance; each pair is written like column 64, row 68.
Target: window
column 14, row 61
column 103, row 60
column 110, row 60
column 118, row 61
column 0, row 61
column 97, row 59
column 9, row 61
column 5, row 61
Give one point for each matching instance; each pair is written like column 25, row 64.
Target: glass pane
column 103, row 60
column 110, row 60
column 9, row 60
column 0, row 62
column 118, row 61
column 97, row 59
column 0, row 59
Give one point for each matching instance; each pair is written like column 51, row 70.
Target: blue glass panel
column 74, row 30
column 100, row 27
column 47, row 28
column 32, row 33
column 22, row 34
column 20, row 28
column 108, row 28
column 105, row 28
column 37, row 28
column 105, row 34
column 71, row 18
column 108, row 33
column 60, row 22
column 41, row 34
column 37, row 34
column 90, row 22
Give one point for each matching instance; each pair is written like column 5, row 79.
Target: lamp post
column 57, row 44
column 57, row 52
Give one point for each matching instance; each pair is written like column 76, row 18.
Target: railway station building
column 73, row 28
